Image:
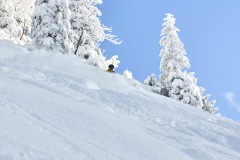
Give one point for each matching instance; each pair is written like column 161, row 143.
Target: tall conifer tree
column 181, row 86
column 174, row 82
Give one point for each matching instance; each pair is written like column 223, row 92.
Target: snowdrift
column 57, row 107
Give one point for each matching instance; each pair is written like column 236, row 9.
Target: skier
column 110, row 68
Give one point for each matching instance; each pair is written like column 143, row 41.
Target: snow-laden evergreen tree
column 88, row 32
column 209, row 106
column 15, row 18
column 23, row 10
column 155, row 85
column 179, row 85
column 151, row 80
column 184, row 88
column 51, row 26
column 173, row 54
column 128, row 74
column 7, row 22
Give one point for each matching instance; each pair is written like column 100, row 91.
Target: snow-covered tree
column 173, row 54
column 181, row 86
column 128, row 74
column 155, row 85
column 209, row 106
column 88, row 32
column 23, row 10
column 7, row 21
column 184, row 88
column 51, row 26
column 151, row 80
column 15, row 18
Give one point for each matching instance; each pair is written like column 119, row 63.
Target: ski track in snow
column 62, row 114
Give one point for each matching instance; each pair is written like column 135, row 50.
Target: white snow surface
column 57, row 107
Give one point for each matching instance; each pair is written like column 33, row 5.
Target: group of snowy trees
column 173, row 82
column 65, row 26
column 71, row 27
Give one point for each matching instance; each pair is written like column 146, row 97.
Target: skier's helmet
column 111, row 66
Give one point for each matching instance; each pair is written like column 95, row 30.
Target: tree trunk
column 23, row 30
column 79, row 42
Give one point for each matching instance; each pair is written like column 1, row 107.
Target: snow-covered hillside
column 57, row 107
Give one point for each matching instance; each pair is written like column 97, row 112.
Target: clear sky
column 209, row 29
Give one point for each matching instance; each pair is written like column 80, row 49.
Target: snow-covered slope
column 56, row 107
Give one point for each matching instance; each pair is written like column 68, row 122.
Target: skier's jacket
column 110, row 70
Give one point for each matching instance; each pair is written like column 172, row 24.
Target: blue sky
column 210, row 31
